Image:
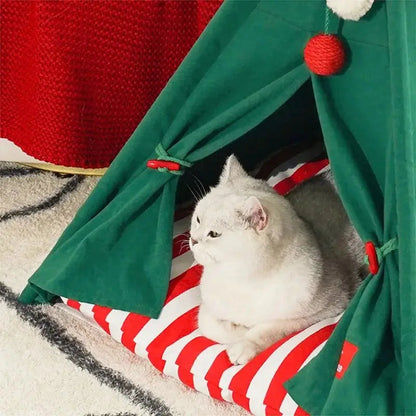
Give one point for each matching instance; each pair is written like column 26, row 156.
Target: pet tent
column 243, row 72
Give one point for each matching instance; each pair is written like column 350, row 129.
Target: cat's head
column 230, row 221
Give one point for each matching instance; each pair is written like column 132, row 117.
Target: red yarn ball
column 324, row 54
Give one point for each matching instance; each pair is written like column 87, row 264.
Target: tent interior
column 293, row 126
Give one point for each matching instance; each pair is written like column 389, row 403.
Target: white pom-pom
column 350, row 9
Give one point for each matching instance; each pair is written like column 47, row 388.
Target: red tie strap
column 373, row 263
column 375, row 255
column 166, row 163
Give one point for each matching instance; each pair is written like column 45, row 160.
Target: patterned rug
column 52, row 361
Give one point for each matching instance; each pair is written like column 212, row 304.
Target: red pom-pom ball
column 324, row 54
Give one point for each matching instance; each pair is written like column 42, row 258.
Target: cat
column 272, row 265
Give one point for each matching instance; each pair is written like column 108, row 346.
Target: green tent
column 245, row 72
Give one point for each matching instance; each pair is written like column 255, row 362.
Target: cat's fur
column 276, row 266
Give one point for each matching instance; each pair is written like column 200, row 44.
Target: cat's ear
column 232, row 170
column 255, row 213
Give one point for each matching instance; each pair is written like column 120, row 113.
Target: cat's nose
column 194, row 242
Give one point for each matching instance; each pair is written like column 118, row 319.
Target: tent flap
column 368, row 121
column 117, row 250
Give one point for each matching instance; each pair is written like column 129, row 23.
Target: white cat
column 270, row 268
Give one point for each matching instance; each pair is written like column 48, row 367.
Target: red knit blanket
column 77, row 77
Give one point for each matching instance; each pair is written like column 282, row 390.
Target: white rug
column 52, row 362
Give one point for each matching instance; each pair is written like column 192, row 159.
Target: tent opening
column 293, row 127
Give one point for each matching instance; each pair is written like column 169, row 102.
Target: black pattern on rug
column 112, row 414
column 9, row 172
column 75, row 352
column 48, row 203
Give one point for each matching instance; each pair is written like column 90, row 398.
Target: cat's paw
column 242, row 352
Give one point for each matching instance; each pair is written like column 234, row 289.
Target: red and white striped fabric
column 174, row 345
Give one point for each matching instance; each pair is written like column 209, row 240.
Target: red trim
column 187, row 280
column 300, row 412
column 304, row 172
column 215, row 391
column 156, row 164
column 191, row 351
column 186, row 377
column 131, row 326
column 276, row 391
column 179, row 328
column 100, row 315
column 347, row 354
column 73, row 304
column 373, row 264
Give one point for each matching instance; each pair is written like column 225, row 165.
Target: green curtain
column 245, row 66
column 368, row 117
column 117, row 250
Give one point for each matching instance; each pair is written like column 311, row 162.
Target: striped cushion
column 174, row 345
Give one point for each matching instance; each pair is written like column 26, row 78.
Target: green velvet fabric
column 117, row 250
column 245, row 66
column 368, row 116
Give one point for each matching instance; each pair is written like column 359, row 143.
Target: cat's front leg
column 262, row 336
column 221, row 331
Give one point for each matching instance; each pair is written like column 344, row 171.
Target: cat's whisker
column 200, row 186
column 198, row 192
column 193, row 193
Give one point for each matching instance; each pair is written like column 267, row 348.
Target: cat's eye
column 213, row 234
column 197, row 220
